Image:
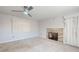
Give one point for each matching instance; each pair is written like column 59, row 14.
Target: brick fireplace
column 55, row 34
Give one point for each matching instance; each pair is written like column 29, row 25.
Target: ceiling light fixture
column 25, row 13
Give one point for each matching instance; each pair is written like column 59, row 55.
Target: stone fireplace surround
column 56, row 30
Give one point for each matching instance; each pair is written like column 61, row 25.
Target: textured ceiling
column 41, row 12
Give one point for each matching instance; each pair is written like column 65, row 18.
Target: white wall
column 57, row 22
column 78, row 33
column 15, row 28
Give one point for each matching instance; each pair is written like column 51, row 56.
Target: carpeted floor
column 36, row 45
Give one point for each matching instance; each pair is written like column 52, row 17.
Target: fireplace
column 53, row 36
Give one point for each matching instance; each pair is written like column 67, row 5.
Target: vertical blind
column 71, row 30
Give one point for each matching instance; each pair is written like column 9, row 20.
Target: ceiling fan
column 26, row 10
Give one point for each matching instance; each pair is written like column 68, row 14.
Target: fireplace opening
column 53, row 36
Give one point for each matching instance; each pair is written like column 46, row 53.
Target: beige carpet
column 37, row 45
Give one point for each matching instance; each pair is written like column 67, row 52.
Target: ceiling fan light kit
column 25, row 13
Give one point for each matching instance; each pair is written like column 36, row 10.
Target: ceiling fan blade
column 30, row 15
column 17, row 11
column 25, row 7
column 30, row 8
